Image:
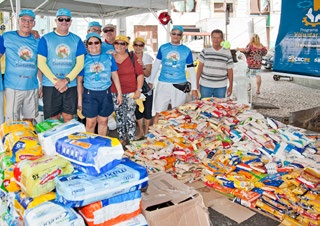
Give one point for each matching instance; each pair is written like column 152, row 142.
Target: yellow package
column 37, row 177
column 23, row 202
column 9, row 181
column 22, row 145
column 13, row 126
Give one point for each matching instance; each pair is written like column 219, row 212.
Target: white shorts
column 21, row 103
column 165, row 94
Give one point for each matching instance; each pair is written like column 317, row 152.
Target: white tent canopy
column 102, row 9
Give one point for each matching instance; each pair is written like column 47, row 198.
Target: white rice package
column 48, row 138
column 113, row 210
column 80, row 189
column 51, row 213
column 90, row 153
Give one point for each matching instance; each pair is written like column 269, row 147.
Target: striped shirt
column 215, row 67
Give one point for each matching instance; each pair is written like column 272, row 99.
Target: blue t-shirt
column 21, row 61
column 174, row 59
column 61, row 53
column 97, row 71
column 108, row 48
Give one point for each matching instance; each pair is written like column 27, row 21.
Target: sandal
column 136, row 138
column 257, row 93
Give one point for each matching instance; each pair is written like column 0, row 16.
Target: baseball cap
column 109, row 26
column 177, row 27
column 92, row 34
column 94, row 24
column 63, row 12
column 139, row 39
column 122, row 38
column 27, row 12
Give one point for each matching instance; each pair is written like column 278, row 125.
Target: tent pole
column 169, row 24
column 18, row 8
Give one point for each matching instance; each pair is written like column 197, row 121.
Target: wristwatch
column 68, row 79
column 140, row 90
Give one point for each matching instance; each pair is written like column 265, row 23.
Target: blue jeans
column 213, row 92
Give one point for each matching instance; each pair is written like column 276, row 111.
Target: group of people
column 100, row 76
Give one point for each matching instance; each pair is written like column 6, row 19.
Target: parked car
column 267, row 60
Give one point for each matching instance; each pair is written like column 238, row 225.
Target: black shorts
column 147, row 113
column 55, row 103
column 96, row 103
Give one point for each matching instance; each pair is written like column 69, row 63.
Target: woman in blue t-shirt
column 94, row 96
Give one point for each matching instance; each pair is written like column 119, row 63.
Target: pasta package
column 37, row 177
column 90, row 153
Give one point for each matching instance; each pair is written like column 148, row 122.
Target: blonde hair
column 255, row 39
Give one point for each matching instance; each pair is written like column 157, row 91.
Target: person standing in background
column 215, row 69
column 94, row 95
column 21, row 72
column 175, row 59
column 254, row 52
column 109, row 34
column 146, row 115
column 61, row 58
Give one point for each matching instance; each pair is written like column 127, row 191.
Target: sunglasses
column 64, row 19
column 142, row 45
column 91, row 43
column 120, row 43
column 106, row 31
column 179, row 34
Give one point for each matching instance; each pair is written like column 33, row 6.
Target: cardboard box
column 168, row 201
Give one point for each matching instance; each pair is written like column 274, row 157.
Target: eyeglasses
column 120, row 43
column 64, row 19
column 23, row 20
column 179, row 34
column 106, row 31
column 91, row 43
column 142, row 45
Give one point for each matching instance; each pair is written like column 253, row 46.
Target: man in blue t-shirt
column 175, row 59
column 61, row 58
column 21, row 72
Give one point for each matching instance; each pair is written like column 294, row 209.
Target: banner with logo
column 297, row 48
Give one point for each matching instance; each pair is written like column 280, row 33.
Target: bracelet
column 68, row 79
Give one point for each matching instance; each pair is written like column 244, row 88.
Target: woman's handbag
column 145, row 87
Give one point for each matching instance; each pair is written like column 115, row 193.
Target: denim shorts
column 96, row 103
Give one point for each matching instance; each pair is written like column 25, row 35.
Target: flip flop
column 138, row 138
column 257, row 93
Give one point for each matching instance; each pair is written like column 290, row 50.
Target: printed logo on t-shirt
column 96, row 67
column 62, row 51
column 173, row 58
column 25, row 53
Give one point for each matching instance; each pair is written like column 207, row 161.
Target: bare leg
column 102, row 126
column 140, row 128
column 66, row 117
column 147, row 125
column 91, row 124
column 258, row 78
column 156, row 118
